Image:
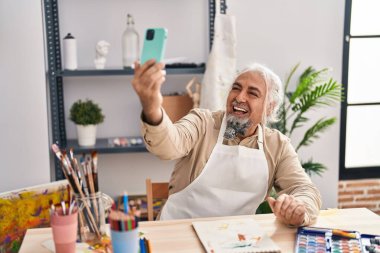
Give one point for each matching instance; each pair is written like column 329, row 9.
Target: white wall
column 24, row 157
column 276, row 33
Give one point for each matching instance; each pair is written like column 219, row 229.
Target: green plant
column 86, row 113
column 313, row 90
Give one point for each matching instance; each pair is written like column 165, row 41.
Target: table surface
column 179, row 236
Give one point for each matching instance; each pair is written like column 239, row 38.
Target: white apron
column 234, row 181
column 221, row 63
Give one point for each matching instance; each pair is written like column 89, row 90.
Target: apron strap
column 260, row 139
column 217, row 7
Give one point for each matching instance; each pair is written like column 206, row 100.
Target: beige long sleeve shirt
column 192, row 139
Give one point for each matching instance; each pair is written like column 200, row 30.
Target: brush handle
column 95, row 179
column 92, row 220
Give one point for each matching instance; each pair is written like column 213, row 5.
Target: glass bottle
column 130, row 43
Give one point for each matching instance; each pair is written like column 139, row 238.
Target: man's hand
column 147, row 83
column 288, row 209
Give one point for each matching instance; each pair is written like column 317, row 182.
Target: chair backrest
column 155, row 191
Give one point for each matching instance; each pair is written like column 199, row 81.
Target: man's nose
column 241, row 97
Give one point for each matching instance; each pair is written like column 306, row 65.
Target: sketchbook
column 234, row 236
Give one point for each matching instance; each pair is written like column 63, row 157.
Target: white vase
column 86, row 135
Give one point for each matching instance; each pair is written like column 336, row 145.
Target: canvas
column 27, row 208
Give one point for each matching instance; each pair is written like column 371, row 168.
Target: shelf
column 128, row 71
column 56, row 80
column 103, row 146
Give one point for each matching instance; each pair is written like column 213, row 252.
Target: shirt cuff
column 146, row 127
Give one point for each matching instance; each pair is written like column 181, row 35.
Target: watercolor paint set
column 324, row 240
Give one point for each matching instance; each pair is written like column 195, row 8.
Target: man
column 228, row 161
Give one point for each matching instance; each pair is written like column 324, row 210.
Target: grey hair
column 274, row 88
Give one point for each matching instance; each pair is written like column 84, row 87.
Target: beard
column 236, row 126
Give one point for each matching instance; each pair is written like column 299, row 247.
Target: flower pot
column 86, row 135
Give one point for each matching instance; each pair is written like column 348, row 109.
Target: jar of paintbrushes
column 93, row 210
column 93, row 204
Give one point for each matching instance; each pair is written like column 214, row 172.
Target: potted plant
column 86, row 115
column 314, row 89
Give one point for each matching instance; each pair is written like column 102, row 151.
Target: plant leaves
column 312, row 133
column 264, row 206
column 308, row 79
column 290, row 77
column 324, row 94
column 298, row 122
column 311, row 167
column 86, row 113
column 313, row 89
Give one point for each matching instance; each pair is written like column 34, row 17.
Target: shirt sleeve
column 292, row 179
column 172, row 141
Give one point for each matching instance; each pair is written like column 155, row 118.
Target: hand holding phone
column 154, row 44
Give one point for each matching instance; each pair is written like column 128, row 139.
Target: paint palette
column 370, row 243
column 324, row 240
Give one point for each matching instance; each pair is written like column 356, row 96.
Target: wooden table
column 178, row 236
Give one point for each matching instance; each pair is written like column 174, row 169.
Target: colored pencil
column 125, row 202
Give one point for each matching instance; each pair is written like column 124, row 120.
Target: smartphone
column 154, row 44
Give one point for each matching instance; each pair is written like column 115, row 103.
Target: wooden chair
column 155, row 191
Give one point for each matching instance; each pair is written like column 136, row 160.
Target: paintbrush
column 87, row 175
column 84, row 173
column 58, row 154
column 67, row 161
column 92, row 189
column 71, row 158
column 77, row 170
column 94, row 156
column 90, row 216
column 52, row 210
column 56, row 151
column 68, row 174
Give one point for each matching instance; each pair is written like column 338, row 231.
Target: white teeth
column 239, row 109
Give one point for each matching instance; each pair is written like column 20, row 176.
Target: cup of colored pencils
column 124, row 228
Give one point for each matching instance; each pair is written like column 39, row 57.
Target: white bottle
column 130, row 43
column 70, row 52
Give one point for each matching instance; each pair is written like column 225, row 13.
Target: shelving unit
column 103, row 146
column 56, row 76
column 123, row 72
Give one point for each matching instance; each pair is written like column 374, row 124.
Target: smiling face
column 246, row 101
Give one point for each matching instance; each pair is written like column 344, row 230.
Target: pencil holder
column 64, row 229
column 93, row 210
column 125, row 241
